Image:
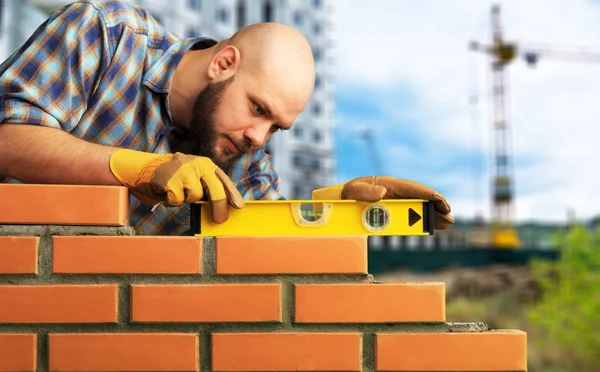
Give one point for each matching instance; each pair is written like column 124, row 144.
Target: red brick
column 18, row 352
column 123, row 352
column 469, row 351
column 286, row 352
column 58, row 303
column 291, row 255
column 366, row 303
column 127, row 254
column 18, row 254
column 206, row 303
column 64, row 204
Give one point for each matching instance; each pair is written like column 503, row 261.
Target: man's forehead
column 284, row 97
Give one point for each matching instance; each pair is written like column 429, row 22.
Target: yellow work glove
column 375, row 188
column 174, row 179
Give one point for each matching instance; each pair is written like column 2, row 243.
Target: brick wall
column 80, row 292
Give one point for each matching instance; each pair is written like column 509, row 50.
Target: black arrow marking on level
column 413, row 217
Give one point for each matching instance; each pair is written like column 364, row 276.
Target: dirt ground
column 473, row 282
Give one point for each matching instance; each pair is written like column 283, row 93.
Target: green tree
column 567, row 318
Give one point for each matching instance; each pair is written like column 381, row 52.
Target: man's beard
column 200, row 138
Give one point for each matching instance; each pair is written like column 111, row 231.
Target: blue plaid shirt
column 102, row 71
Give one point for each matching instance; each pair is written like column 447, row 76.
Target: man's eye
column 259, row 110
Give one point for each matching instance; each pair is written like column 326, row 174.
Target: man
column 102, row 94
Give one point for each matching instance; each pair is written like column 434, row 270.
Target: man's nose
column 257, row 134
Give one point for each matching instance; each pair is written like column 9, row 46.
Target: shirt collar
column 160, row 75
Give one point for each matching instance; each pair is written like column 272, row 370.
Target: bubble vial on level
column 311, row 212
column 376, row 217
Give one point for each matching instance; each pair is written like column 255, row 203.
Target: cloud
column 410, row 61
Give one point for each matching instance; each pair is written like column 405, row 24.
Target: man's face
column 237, row 115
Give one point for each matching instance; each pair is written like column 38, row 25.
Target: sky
column 403, row 70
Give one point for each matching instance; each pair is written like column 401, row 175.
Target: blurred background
column 493, row 104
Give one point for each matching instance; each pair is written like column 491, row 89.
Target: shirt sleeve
column 255, row 177
column 49, row 80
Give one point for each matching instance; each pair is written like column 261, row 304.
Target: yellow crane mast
column 503, row 233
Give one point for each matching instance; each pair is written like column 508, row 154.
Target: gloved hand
column 373, row 189
column 174, row 179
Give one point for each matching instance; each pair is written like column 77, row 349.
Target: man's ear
column 226, row 61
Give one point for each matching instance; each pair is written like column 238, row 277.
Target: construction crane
column 503, row 233
column 367, row 136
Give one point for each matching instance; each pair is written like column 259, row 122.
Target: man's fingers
column 441, row 205
column 188, row 190
column 186, row 178
column 406, row 189
column 221, row 192
column 233, row 195
column 363, row 192
column 213, row 186
column 442, row 221
column 175, row 196
column 227, row 194
column 374, row 188
column 194, row 191
column 216, row 195
column 219, row 210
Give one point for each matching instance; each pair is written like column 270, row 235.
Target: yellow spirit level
column 323, row 217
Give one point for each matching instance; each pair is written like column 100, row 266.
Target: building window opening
column 317, row 54
column 297, row 131
column 223, row 15
column 194, row 4
column 317, row 28
column 268, row 11
column 316, row 109
column 241, row 13
column 190, row 32
column 298, row 18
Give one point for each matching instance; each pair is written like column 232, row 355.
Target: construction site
column 492, row 266
column 486, row 260
column 499, row 239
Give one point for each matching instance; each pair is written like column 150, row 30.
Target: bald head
column 232, row 97
column 279, row 59
column 262, row 43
